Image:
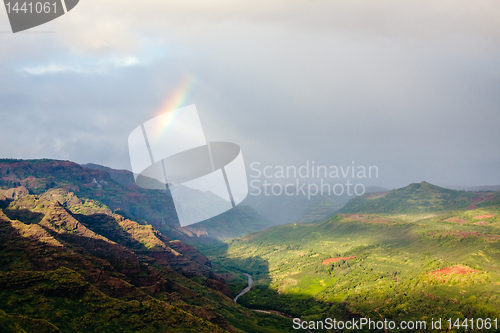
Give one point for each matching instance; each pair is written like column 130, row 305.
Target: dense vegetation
column 395, row 270
column 84, row 249
column 72, row 265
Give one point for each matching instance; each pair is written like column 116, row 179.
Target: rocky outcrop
column 61, row 219
column 84, row 247
column 14, row 193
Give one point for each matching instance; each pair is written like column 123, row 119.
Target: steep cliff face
column 38, row 176
column 78, row 249
column 118, row 191
column 92, row 227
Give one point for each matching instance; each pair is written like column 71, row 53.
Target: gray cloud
column 410, row 86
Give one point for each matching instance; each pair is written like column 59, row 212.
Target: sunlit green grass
column 389, row 273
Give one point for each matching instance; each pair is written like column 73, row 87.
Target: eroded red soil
column 455, row 220
column 482, row 217
column 460, row 270
column 327, row 261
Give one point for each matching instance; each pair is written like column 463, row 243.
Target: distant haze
column 412, row 87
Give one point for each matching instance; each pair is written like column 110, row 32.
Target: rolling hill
column 419, row 198
column 415, row 253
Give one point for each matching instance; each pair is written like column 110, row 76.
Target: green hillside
column 381, row 265
column 70, row 264
column 419, row 198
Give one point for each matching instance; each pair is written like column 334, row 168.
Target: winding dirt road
column 247, row 289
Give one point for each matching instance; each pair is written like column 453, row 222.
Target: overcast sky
column 412, row 87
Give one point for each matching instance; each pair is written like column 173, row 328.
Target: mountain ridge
column 117, row 190
column 419, row 197
column 71, row 264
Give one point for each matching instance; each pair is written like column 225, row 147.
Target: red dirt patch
column 327, row 261
column 460, row 270
column 455, row 220
column 482, row 217
column 471, row 207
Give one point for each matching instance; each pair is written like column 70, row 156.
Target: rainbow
column 180, row 95
column 178, row 99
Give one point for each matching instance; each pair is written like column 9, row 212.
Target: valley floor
column 395, row 266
